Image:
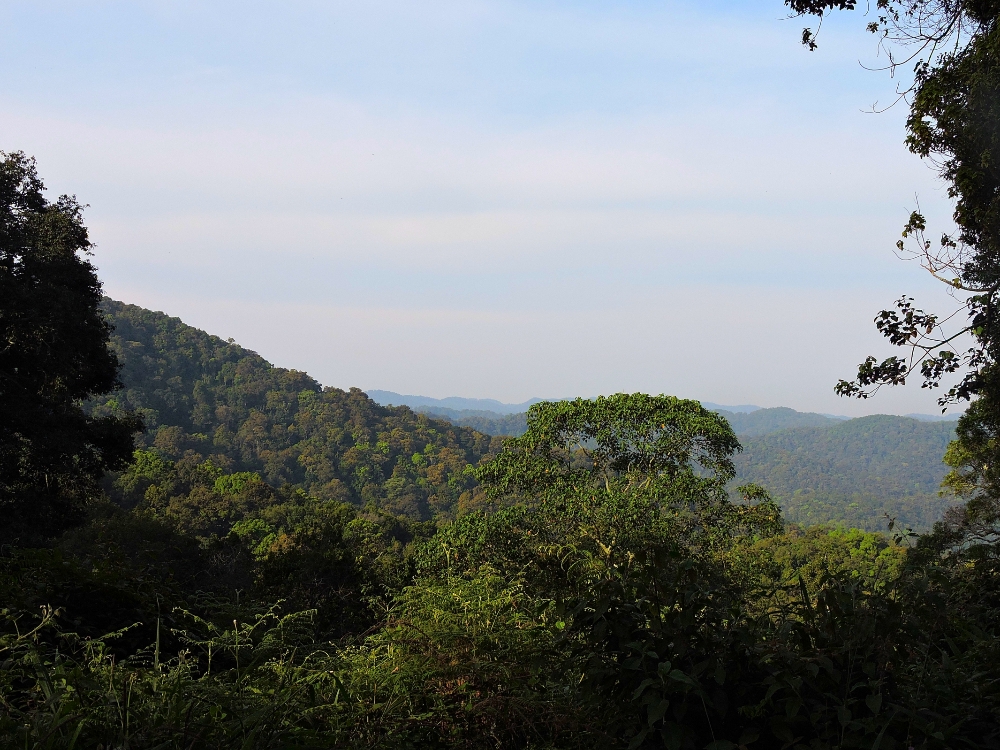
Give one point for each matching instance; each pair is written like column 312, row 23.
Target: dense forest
column 487, row 422
column 199, row 550
column 858, row 473
column 854, row 472
column 207, row 400
column 514, row 423
column 233, row 594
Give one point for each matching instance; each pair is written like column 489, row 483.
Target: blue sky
column 487, row 199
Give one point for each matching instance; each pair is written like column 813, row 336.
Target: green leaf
column 678, row 675
column 656, row 713
column 638, row 739
column 792, row 706
column 780, row 730
column 750, row 734
column 874, row 702
column 642, row 686
column 843, row 715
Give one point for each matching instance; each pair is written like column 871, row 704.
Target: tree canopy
column 54, row 354
column 611, row 594
column 204, row 398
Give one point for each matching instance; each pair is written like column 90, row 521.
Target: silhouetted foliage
column 54, row 354
column 953, row 47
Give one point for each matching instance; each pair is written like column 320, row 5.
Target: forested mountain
column 853, row 472
column 611, row 592
column 764, row 421
column 487, row 422
column 757, row 422
column 205, row 398
column 820, row 469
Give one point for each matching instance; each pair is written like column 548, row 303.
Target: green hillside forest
column 858, row 472
column 297, row 512
column 853, row 472
column 207, row 400
column 487, row 422
column 202, row 551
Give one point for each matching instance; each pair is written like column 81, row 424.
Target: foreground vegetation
column 614, row 598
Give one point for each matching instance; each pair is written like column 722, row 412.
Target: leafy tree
column 954, row 99
column 54, row 355
column 619, row 526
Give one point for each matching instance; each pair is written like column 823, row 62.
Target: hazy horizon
column 447, row 401
column 498, row 199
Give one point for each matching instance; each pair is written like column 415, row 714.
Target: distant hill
column 853, row 472
column 451, row 403
column 487, row 422
column 205, row 398
column 764, row 421
column 742, row 408
column 757, row 422
column 949, row 417
column 821, row 469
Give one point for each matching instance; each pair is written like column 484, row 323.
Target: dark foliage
column 623, row 601
column 54, row 355
column 953, row 47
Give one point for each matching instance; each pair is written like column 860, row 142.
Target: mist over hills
column 820, row 468
column 484, row 406
column 207, row 399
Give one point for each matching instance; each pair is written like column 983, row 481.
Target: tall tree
column 53, row 355
column 953, row 47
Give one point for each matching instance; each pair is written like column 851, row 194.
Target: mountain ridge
column 457, row 403
column 206, row 399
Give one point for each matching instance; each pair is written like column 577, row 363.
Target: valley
column 205, row 399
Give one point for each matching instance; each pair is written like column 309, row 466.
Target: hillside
column 205, row 398
column 765, row 421
column 452, row 403
column 853, row 472
column 494, row 422
column 820, row 469
column 757, row 422
column 487, row 422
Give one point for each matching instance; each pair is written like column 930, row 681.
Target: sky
column 486, row 198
